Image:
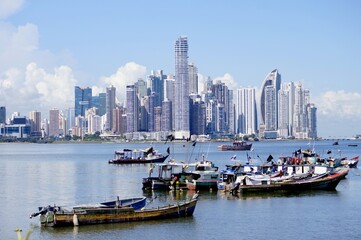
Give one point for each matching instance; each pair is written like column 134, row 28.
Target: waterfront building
column 100, row 102
column 17, row 119
column 169, row 91
column 271, row 84
column 110, row 105
column 45, row 127
column 132, row 106
column 15, row 130
column 181, row 95
column 198, row 116
column 2, row 114
column 118, row 120
column 155, row 84
column 94, row 122
column 311, row 121
column 300, row 117
column 83, row 100
column 54, row 122
column 220, row 119
column 166, row 124
column 283, row 113
column 143, row 112
column 224, row 96
column 151, row 104
column 71, row 119
column 193, row 79
column 270, row 108
column 141, row 87
column 80, row 127
column 63, row 129
column 231, row 120
column 211, row 116
column 246, row 111
column 157, row 119
column 208, row 84
column 35, row 121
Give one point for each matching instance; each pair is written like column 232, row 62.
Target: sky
column 48, row 47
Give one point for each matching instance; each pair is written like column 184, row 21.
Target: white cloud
column 36, row 89
column 339, row 104
column 125, row 75
column 228, row 80
column 339, row 114
column 8, row 7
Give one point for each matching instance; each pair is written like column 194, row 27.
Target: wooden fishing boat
column 100, row 215
column 325, row 181
column 352, row 163
column 205, row 176
column 128, row 156
column 168, row 176
column 135, row 203
column 236, row 146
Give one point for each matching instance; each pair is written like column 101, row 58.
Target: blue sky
column 47, row 47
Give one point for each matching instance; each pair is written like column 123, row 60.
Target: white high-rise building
column 312, row 121
column 270, row 110
column 181, row 94
column 283, row 113
column 246, row 111
column 110, row 105
column 273, row 79
column 300, row 123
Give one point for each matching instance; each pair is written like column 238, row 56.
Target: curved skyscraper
column 269, row 100
column 181, row 94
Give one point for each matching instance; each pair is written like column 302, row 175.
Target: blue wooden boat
column 99, row 215
column 135, row 203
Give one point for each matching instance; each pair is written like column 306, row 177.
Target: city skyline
column 312, row 43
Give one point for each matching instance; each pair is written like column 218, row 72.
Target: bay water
column 33, row 175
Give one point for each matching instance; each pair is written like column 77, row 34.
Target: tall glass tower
column 110, row 105
column 270, row 85
column 181, row 100
column 2, row 114
column 83, row 100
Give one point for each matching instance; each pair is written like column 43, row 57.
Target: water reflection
column 279, row 194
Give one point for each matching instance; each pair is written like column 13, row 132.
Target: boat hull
column 119, row 215
column 325, row 183
column 138, row 161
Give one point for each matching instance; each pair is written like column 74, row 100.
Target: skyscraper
column 132, row 109
column 35, row 121
column 311, row 120
column 155, row 84
column 193, row 79
column 2, row 114
column 110, row 105
column 83, row 100
column 273, row 79
column 181, row 100
column 54, row 123
column 246, row 111
column 166, row 124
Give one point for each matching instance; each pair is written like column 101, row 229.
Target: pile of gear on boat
column 305, row 170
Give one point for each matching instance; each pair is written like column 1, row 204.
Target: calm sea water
column 33, row 175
